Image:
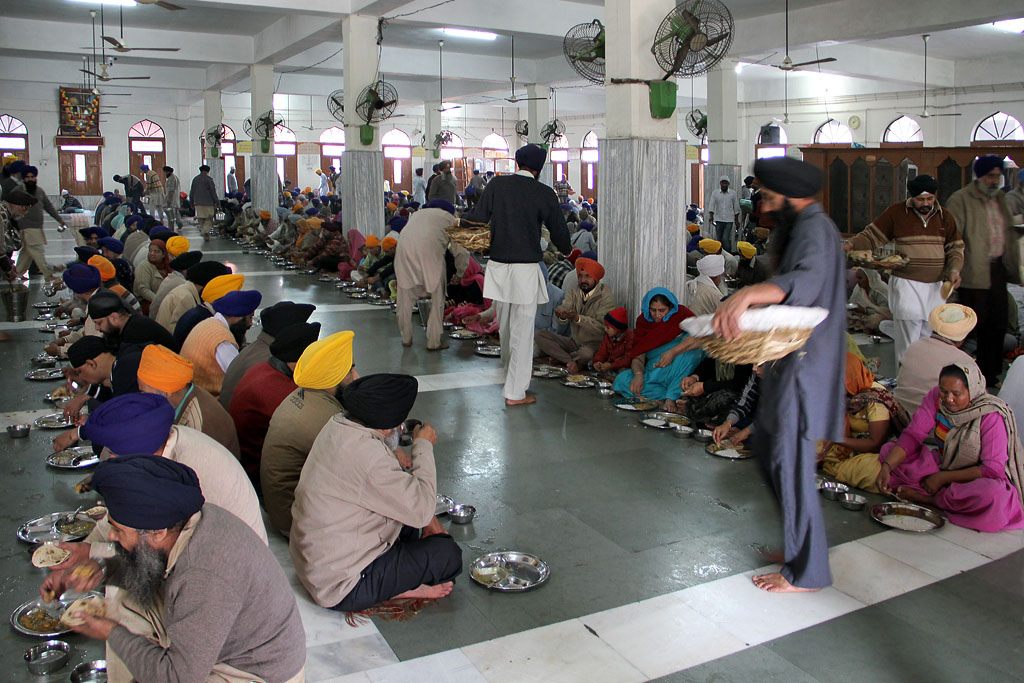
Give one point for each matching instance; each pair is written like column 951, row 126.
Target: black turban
column 85, row 252
column 183, row 262
column 19, row 197
column 532, row 157
column 203, row 272
column 380, row 401
column 922, row 183
column 789, row 177
column 105, row 302
column 290, row 342
column 87, row 348
column 283, row 314
column 148, row 492
column 160, row 232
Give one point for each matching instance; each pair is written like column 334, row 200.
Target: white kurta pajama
column 516, row 289
column 911, row 302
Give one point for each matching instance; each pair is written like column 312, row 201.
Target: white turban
column 725, row 178
column 712, row 265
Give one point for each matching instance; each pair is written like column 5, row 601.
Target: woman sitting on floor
column 356, row 247
column 710, row 391
column 976, row 475
column 655, row 333
column 871, row 298
column 873, row 415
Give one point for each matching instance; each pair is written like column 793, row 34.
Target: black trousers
column 991, row 307
column 411, row 562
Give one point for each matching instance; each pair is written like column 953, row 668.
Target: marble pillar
column 212, row 116
column 538, row 112
column 262, row 165
column 362, row 188
column 642, row 243
column 723, row 131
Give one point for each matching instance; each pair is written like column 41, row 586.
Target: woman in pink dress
column 355, row 253
column 976, row 475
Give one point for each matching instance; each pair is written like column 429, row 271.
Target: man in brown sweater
column 929, row 237
column 179, row 560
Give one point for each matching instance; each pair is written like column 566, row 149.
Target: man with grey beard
column 983, row 216
column 201, row 619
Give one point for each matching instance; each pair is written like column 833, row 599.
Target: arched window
column 588, row 153
column 833, row 133
column 333, row 135
column 332, row 147
column 283, row 133
column 560, row 157
column 13, row 137
column 588, row 165
column 145, row 146
column 998, row 127
column 397, row 149
column 146, row 129
column 454, row 149
column 395, row 136
column 495, row 142
column 285, row 149
column 903, row 129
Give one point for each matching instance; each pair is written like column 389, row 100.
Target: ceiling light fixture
column 466, row 33
column 1010, row 25
column 120, row 3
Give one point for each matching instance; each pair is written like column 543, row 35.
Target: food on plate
column 49, row 555
column 39, row 620
column 93, row 605
column 76, row 527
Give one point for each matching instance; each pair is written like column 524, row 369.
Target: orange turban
column 590, row 267
column 103, row 264
column 265, row 215
column 391, row 206
column 373, row 241
column 163, row 369
column 221, row 285
column 389, row 243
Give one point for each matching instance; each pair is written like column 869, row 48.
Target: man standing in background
column 33, row 241
column 724, row 212
column 172, row 198
column 419, row 188
column 232, row 182
column 203, row 196
column 155, row 191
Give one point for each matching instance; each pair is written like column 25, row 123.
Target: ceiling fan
column 514, row 98
column 787, row 63
column 104, row 76
column 119, row 46
column 440, row 79
column 160, row 3
column 924, row 113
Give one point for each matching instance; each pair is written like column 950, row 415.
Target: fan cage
column 714, row 20
column 579, row 49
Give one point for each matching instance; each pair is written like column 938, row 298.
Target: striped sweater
column 935, row 248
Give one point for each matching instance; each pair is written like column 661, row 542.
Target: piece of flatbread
column 97, row 512
column 92, row 605
column 49, row 555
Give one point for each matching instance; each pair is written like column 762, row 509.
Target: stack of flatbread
column 49, row 555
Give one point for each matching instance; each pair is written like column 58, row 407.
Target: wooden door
column 696, row 184
column 460, row 168
column 288, row 169
column 326, row 161
column 155, row 161
column 72, row 164
column 588, row 181
column 240, row 170
column 398, row 172
column 560, row 171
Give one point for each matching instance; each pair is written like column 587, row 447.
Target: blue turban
column 30, row 169
column 17, row 166
column 130, row 423
column 532, row 157
column 113, row 244
column 589, row 254
column 587, row 225
column 85, row 252
column 81, row 278
column 238, row 304
column 93, row 230
column 148, row 492
column 986, row 164
column 1020, row 176
column 312, row 211
column 132, row 220
column 397, row 223
column 440, row 204
column 470, row 191
column 108, row 195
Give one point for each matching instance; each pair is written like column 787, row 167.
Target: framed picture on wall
column 79, row 112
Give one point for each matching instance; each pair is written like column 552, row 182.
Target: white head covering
column 712, row 265
column 726, row 179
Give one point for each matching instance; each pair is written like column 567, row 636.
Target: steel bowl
column 852, row 501
column 833, row 490
column 605, row 393
column 461, row 514
column 47, row 657
column 18, row 431
column 876, row 338
column 90, row 672
column 703, row 435
column 682, row 432
column 600, row 384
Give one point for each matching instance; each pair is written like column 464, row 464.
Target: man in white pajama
column 517, row 206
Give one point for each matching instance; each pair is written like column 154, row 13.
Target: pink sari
column 356, row 241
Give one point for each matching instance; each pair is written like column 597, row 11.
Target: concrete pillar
column 538, row 112
column 212, row 116
column 641, row 191
column 431, row 127
column 723, row 131
column 262, row 165
column 362, row 180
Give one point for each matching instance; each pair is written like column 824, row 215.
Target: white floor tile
column 324, row 626
column 451, row 666
column 870, row 576
column 323, row 662
column 754, row 616
column 662, row 635
column 929, row 553
column 995, row 545
column 30, row 416
column 560, row 652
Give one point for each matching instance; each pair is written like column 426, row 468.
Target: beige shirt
column 177, row 303
column 419, row 260
column 354, row 493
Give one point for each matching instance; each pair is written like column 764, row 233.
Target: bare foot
column 406, row 345
column 669, row 406
column 442, row 347
column 428, row 592
column 432, row 529
column 911, row 496
column 529, row 398
column 572, row 367
column 777, row 583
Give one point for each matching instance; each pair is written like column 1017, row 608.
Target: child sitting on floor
column 617, row 345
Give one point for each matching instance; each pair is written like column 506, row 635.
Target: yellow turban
column 373, row 241
column 221, row 285
column 693, row 228
column 318, row 171
column 710, row 246
column 747, row 249
column 389, row 243
column 297, row 208
column 315, row 223
column 177, row 245
column 103, row 264
column 163, row 369
column 286, row 193
column 326, row 362
column 8, row 158
column 265, row 215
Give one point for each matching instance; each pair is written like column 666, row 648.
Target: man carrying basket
column 802, row 394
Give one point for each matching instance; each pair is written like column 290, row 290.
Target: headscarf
column 326, row 362
column 860, row 391
column 381, row 401
column 877, row 289
column 164, row 264
column 355, row 242
column 649, row 335
column 163, row 369
column 474, row 274
column 148, row 492
column 962, row 445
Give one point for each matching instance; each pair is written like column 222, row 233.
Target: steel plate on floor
column 727, row 450
column 44, row 529
column 488, row 351
column 44, row 374
column 54, row 421
column 76, row 458
column 443, row 505
column 509, row 570
column 907, row 517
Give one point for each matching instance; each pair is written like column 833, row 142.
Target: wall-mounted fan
column 697, row 124
column 693, row 38
column 247, row 127
column 264, row 128
column 523, row 128
column 584, row 47
column 440, row 140
column 552, row 130
column 212, row 137
column 377, row 102
column 336, row 105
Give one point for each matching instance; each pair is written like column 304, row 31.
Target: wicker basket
column 753, row 348
column 470, row 237
column 872, row 264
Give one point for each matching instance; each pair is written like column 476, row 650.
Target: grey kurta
column 802, row 395
column 419, row 260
